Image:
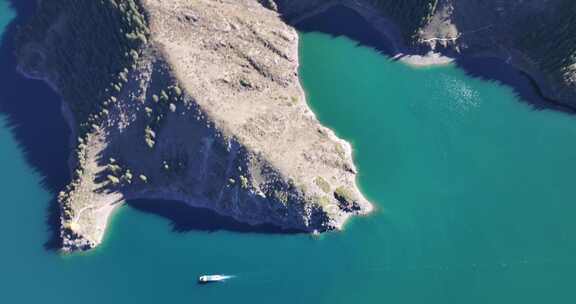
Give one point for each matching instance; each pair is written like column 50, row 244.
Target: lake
column 473, row 189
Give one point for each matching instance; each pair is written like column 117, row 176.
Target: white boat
column 203, row 279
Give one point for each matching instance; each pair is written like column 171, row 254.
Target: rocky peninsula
column 199, row 101
column 196, row 101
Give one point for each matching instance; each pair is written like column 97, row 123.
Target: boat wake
column 205, row 279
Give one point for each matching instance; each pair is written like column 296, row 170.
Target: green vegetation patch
column 143, row 178
column 322, row 184
column 113, row 179
column 243, row 182
column 281, row 196
column 99, row 40
column 322, row 201
column 344, row 194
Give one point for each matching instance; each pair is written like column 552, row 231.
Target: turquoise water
column 6, row 15
column 473, row 189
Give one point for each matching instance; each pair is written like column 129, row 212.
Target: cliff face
column 197, row 101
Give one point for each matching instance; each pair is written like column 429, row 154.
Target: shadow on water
column 33, row 114
column 343, row 21
column 185, row 218
column 494, row 69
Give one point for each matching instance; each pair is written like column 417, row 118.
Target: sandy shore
column 430, row 59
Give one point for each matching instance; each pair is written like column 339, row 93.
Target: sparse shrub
column 322, row 184
column 340, row 150
column 177, row 90
column 164, row 96
column 149, row 132
column 245, row 83
column 128, row 176
column 281, row 196
column 243, row 182
column 114, row 168
column 113, row 179
column 150, row 143
column 344, row 194
column 323, row 201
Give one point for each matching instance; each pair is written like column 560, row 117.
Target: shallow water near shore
column 473, row 189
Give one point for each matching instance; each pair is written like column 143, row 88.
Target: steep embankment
column 194, row 101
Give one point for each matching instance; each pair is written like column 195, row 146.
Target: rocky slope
column 197, row 101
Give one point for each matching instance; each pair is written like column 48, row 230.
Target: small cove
column 474, row 190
